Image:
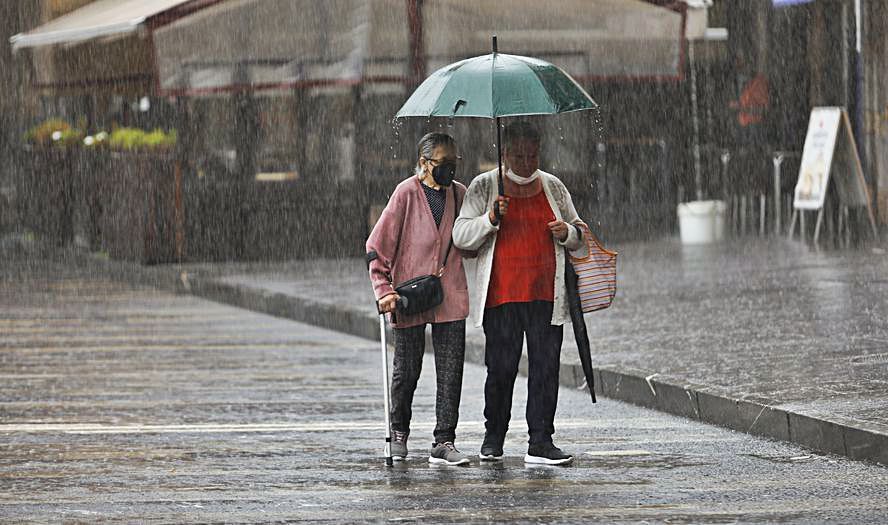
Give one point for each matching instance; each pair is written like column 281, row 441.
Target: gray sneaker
column 399, row 445
column 446, row 454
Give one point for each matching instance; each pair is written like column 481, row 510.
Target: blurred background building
column 285, row 145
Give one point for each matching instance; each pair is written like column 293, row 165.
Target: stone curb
column 662, row 393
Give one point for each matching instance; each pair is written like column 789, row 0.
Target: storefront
column 284, row 107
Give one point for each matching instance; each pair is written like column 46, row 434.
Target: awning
column 783, row 3
column 187, row 47
column 284, row 43
column 104, row 45
column 272, row 44
column 103, row 18
column 591, row 39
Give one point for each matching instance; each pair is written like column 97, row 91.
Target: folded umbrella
column 579, row 324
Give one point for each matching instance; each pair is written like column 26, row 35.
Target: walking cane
column 387, row 451
column 385, row 392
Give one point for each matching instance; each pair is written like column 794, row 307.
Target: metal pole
column 778, row 161
column 499, row 147
column 840, row 229
column 416, row 56
column 858, row 81
column 387, row 451
column 698, row 176
column 725, row 158
column 762, row 205
column 499, row 162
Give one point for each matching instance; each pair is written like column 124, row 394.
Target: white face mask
column 522, row 181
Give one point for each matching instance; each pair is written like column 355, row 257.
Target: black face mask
column 443, row 173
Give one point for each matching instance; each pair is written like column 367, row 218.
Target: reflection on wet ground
column 753, row 318
column 221, row 415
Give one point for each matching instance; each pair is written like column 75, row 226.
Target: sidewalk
column 763, row 336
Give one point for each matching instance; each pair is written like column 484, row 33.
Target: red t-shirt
column 524, row 256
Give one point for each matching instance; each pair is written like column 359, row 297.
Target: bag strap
column 593, row 243
column 450, row 244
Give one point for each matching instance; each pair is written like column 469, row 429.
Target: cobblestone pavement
column 122, row 403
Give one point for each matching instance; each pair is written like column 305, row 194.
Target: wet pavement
column 766, row 336
column 123, row 403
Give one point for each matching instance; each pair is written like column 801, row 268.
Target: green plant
column 125, row 138
column 70, row 137
column 130, row 139
column 159, row 139
column 53, row 132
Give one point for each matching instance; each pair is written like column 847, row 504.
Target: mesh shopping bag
column 596, row 273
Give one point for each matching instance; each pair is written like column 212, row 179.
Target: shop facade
column 286, row 146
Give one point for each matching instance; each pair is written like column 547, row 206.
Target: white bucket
column 701, row 222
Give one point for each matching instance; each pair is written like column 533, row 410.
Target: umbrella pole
column 499, row 161
column 499, row 150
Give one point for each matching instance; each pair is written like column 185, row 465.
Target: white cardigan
column 473, row 232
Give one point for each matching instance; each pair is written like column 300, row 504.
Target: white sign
column 820, row 143
column 830, row 160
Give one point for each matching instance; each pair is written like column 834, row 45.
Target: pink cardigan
column 408, row 244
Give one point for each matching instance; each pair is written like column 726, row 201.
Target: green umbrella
column 497, row 85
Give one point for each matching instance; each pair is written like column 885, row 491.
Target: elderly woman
column 413, row 238
column 519, row 289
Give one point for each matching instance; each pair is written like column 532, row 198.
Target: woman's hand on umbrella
column 503, row 202
column 388, row 303
column 559, row 230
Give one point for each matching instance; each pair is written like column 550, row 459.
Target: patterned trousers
column 449, row 343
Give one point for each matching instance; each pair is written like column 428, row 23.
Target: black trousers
column 505, row 327
column 449, row 342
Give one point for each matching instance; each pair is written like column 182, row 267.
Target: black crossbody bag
column 425, row 292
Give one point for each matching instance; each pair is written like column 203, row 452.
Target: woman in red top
column 520, row 280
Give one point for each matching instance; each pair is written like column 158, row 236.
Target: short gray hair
column 427, row 144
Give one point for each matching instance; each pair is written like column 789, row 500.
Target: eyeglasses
column 438, row 162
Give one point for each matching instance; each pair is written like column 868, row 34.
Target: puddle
column 800, row 458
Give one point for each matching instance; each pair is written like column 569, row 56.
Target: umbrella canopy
column 497, row 85
column 493, row 86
